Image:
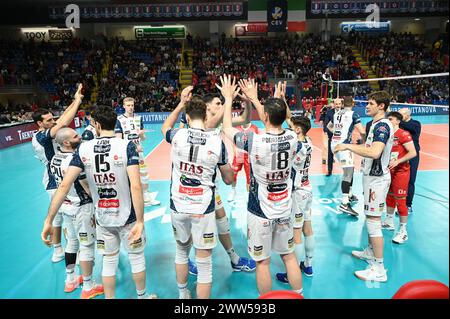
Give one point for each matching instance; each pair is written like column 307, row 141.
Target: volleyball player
column 130, row 127
column 195, row 155
column 240, row 159
column 270, row 225
column 78, row 216
column 44, row 148
column 376, row 181
column 89, row 132
column 302, row 197
column 342, row 125
column 214, row 117
column 403, row 150
column 111, row 166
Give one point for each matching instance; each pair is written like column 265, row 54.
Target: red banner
column 21, row 133
column 250, row 29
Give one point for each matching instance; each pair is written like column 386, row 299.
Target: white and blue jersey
column 380, row 131
column 104, row 161
column 129, row 127
column 302, row 162
column 195, row 155
column 344, row 123
column 89, row 133
column 59, row 165
column 271, row 159
column 44, row 147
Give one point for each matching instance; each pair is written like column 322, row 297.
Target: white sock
column 389, row 218
column 309, row 250
column 300, row 251
column 300, row 291
column 350, row 193
column 141, row 294
column 345, row 199
column 87, row 283
column 233, row 256
column 379, row 263
column 57, row 247
column 182, row 289
column 403, row 227
column 70, row 272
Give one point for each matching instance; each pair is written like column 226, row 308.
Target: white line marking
column 446, row 136
column 166, row 219
column 432, row 155
column 153, row 149
column 154, row 214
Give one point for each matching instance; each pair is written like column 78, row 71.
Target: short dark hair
column 395, row 114
column 105, row 116
column 381, row 97
column 37, row 116
column 196, row 109
column 276, row 109
column 208, row 98
column 303, row 122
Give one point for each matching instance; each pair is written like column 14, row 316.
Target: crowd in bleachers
column 149, row 70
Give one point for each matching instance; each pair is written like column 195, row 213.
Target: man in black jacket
column 414, row 128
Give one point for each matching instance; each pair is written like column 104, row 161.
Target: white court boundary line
column 154, row 148
column 436, row 156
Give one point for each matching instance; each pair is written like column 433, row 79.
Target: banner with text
column 277, row 12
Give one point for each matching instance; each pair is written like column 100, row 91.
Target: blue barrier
column 416, row 110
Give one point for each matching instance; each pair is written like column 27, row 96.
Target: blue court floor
column 27, row 272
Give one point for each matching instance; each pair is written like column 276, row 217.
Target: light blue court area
column 27, row 272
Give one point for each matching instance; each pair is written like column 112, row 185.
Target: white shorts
column 110, row 238
column 345, row 158
column 301, row 206
column 267, row 235
column 58, row 220
column 79, row 223
column 375, row 190
column 202, row 228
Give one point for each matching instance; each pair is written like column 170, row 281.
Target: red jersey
column 401, row 137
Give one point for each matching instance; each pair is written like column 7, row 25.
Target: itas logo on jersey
column 191, row 191
column 278, row 176
column 191, row 169
column 101, row 179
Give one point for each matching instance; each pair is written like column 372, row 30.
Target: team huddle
column 98, row 186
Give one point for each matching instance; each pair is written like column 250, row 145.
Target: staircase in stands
column 366, row 67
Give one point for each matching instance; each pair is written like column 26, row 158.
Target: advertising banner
column 172, row 32
column 250, row 29
column 277, row 12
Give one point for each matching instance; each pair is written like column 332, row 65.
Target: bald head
column 406, row 113
column 67, row 138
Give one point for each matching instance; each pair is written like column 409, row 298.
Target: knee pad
column 137, row 262
column 348, row 174
column 182, row 252
column 110, row 264
column 72, row 246
column 87, row 253
column 390, row 201
column 374, row 228
column 204, row 268
column 310, row 244
column 58, row 220
column 401, row 206
column 223, row 227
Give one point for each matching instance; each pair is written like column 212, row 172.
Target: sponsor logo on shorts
column 137, row 244
column 218, row 200
column 291, row 243
column 83, row 237
column 366, row 207
column 193, row 191
column 208, row 238
column 108, row 203
column 277, row 197
column 381, row 207
column 283, row 221
column 100, row 244
column 257, row 250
